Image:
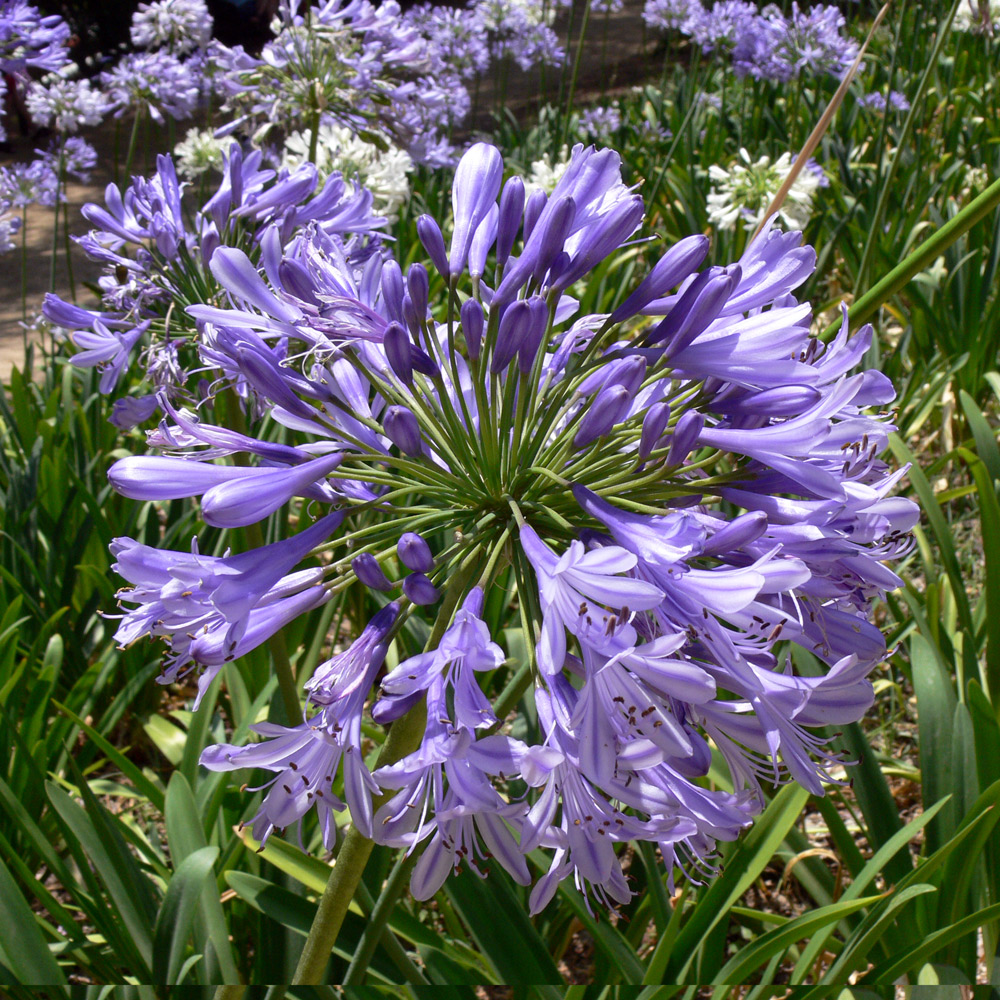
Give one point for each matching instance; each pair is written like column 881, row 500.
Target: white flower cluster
column 547, row 172
column 981, row 17
column 384, row 173
column 199, row 151
column 748, row 187
column 177, row 25
column 64, row 105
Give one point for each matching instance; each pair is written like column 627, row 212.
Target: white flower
column 546, row 174
column 384, row 173
column 981, row 17
column 179, row 25
column 197, row 152
column 64, row 105
column 747, row 188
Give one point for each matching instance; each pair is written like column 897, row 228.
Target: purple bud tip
column 514, row 325
column 472, row 326
column 392, row 290
column 608, row 407
column 414, row 553
column 418, row 286
column 402, row 429
column 509, row 220
column 532, row 210
column 685, row 435
column 368, row 571
column 398, row 351
column 430, row 235
column 654, row 423
column 419, row 589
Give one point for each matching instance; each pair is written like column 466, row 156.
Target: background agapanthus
column 685, row 496
column 744, row 190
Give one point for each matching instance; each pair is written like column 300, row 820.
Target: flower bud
column 423, row 362
column 418, row 285
column 430, row 235
column 482, row 241
column 411, row 318
column 402, row 429
column 686, row 433
column 532, row 210
column 398, row 352
column 392, row 290
column 671, row 269
column 781, row 401
column 553, row 228
column 534, row 333
column 628, row 372
column 419, row 589
column 472, row 326
column 654, row 423
column 473, row 192
column 510, row 335
column 368, row 571
column 608, row 407
column 509, row 219
column 414, row 553
column 696, row 309
column 740, row 531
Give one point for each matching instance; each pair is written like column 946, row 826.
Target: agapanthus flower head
column 878, row 101
column 65, row 105
column 76, row 156
column 178, row 25
column 154, row 82
column 812, row 41
column 600, row 124
column 743, row 191
column 672, row 15
column 198, row 152
column 23, row 184
column 667, row 500
column 29, row 39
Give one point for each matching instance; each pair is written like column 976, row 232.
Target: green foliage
column 124, row 863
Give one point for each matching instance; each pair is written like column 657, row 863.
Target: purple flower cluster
column 878, row 101
column 156, row 259
column 29, row 40
column 685, row 496
column 764, row 44
column 369, row 69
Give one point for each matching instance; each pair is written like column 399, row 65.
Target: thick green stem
column 920, row 258
column 133, row 140
column 404, row 737
column 377, row 920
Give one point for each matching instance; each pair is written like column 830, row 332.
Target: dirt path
column 626, row 64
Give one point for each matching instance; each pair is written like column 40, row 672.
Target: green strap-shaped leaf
column 989, row 519
column 176, row 917
column 864, row 878
column 751, row 957
column 186, row 836
column 24, row 949
column 914, row 958
column 936, row 703
column 501, row 929
column 871, row 932
column 743, row 865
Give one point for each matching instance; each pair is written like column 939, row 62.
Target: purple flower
column 686, row 490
